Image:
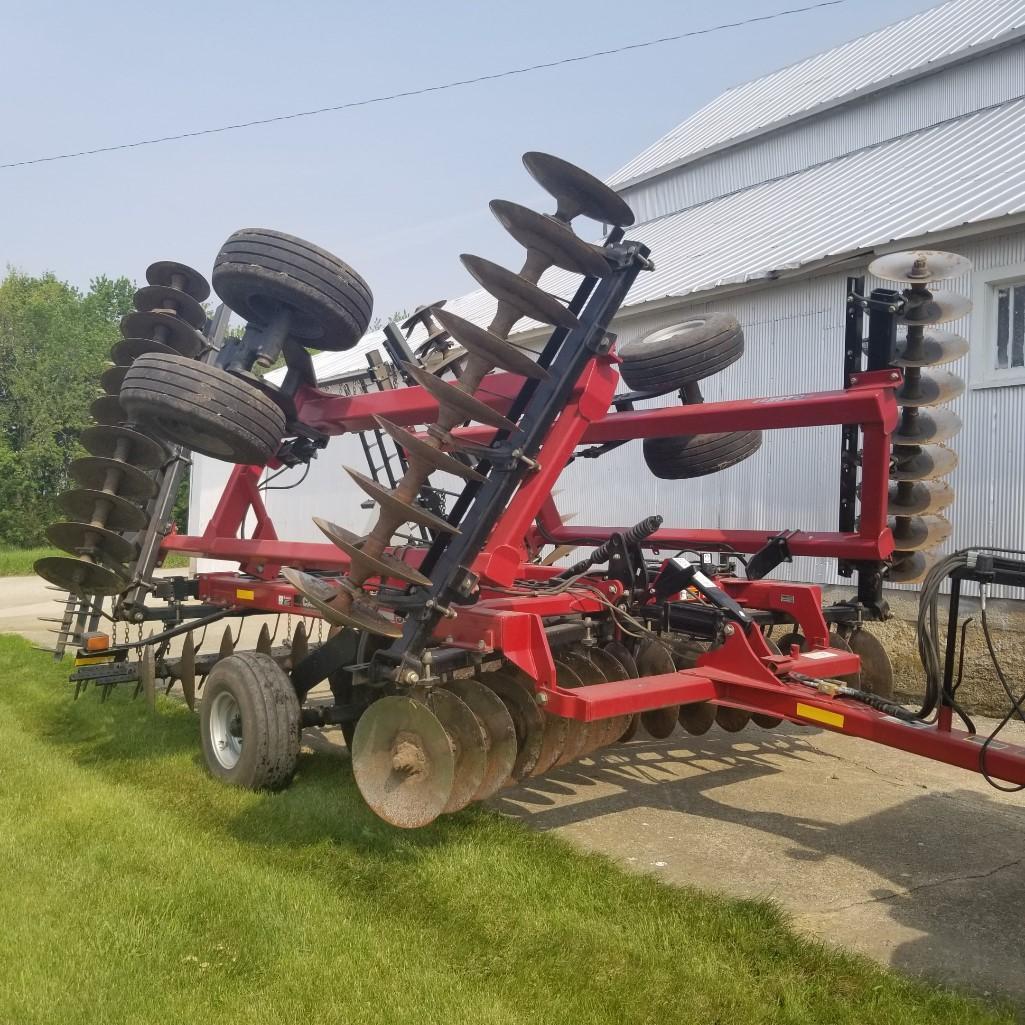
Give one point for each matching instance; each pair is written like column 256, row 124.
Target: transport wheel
column 667, row 359
column 203, row 408
column 259, row 271
column 696, row 455
column 250, row 722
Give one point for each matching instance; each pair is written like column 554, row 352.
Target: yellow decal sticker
column 93, row 660
column 244, row 595
column 820, row 715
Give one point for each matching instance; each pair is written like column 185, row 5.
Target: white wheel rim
column 225, row 730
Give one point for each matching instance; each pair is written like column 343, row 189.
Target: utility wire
column 425, row 89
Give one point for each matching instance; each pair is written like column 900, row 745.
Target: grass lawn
column 17, row 562
column 134, row 889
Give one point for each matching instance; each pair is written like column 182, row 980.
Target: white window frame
column 983, row 341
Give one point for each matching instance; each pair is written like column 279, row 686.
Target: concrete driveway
column 915, row 864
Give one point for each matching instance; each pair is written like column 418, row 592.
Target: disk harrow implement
column 470, row 662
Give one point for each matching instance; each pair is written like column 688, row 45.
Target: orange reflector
column 95, row 641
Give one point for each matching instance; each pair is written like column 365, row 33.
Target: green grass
column 17, row 562
column 134, row 889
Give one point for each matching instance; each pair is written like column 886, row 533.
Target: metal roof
column 963, row 172
column 911, row 48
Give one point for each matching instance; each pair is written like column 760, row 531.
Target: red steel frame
column 742, row 672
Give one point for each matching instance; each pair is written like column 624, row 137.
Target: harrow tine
column 148, row 677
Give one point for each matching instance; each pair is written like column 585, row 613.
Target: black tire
column 203, row 408
column 665, row 360
column 269, row 722
column 259, row 270
column 698, row 455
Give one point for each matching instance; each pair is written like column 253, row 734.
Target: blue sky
column 398, row 189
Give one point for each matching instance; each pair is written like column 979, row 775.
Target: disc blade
column 421, row 451
column 155, row 297
column 409, row 513
column 732, row 720
column 107, row 410
column 128, row 350
column 403, row 762
column 654, row 659
column 112, row 378
column 697, row 718
column 227, row 646
column 469, row 745
column 576, row 191
column 612, row 669
column 919, row 497
column 936, row 346
column 660, row 722
column 86, row 539
column 577, row 734
column 909, row 567
column 382, row 565
column 263, row 642
column 622, row 655
column 919, row 265
column 454, row 399
column 552, row 238
column 148, row 677
column 300, row 646
column 79, row 576
column 490, row 348
column 928, row 427
column 500, row 733
column 421, row 315
column 110, row 442
column 913, row 533
column 589, row 675
column 932, row 388
column 876, row 668
column 89, row 506
column 322, row 596
column 164, row 326
column 925, row 462
column 128, row 482
column 179, row 275
column 523, row 295
column 788, row 640
column 942, row 307
column 526, row 718
column 185, row 670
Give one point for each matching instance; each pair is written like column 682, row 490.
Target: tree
column 54, row 340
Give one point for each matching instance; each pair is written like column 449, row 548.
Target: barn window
column 998, row 327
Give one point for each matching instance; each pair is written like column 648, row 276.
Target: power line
column 425, row 89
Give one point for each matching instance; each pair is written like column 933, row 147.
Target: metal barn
column 762, row 204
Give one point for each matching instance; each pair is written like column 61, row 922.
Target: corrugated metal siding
column 915, row 45
column 994, row 78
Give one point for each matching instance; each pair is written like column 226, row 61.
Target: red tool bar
column 283, row 553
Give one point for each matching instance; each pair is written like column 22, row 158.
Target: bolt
column 728, row 629
column 613, row 587
column 412, row 677
column 542, row 698
column 481, row 646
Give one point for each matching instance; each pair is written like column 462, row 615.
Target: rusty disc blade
column 924, row 462
column 526, row 716
column 93, row 471
column 423, row 452
column 915, row 498
column 79, row 576
column 660, row 722
column 928, row 426
column 552, row 238
column 185, row 670
column 697, row 718
column 876, row 667
column 451, row 398
column 919, row 265
column 410, row 513
column 909, row 567
column 593, row 733
column 403, row 762
column 500, row 733
column 421, row 315
column 383, row 565
column 103, row 509
column 932, row 388
column 934, row 347
column 913, row 533
column 576, row 191
column 179, row 275
column 86, row 539
column 112, row 378
column 577, row 734
column 469, row 745
column 107, row 409
column 522, row 295
column 941, row 308
column 155, row 297
column 128, row 350
column 490, row 348
column 111, row 442
column 788, row 640
column 553, row 742
column 633, row 724
column 321, row 595
column 299, row 646
column 164, row 326
column 732, row 720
